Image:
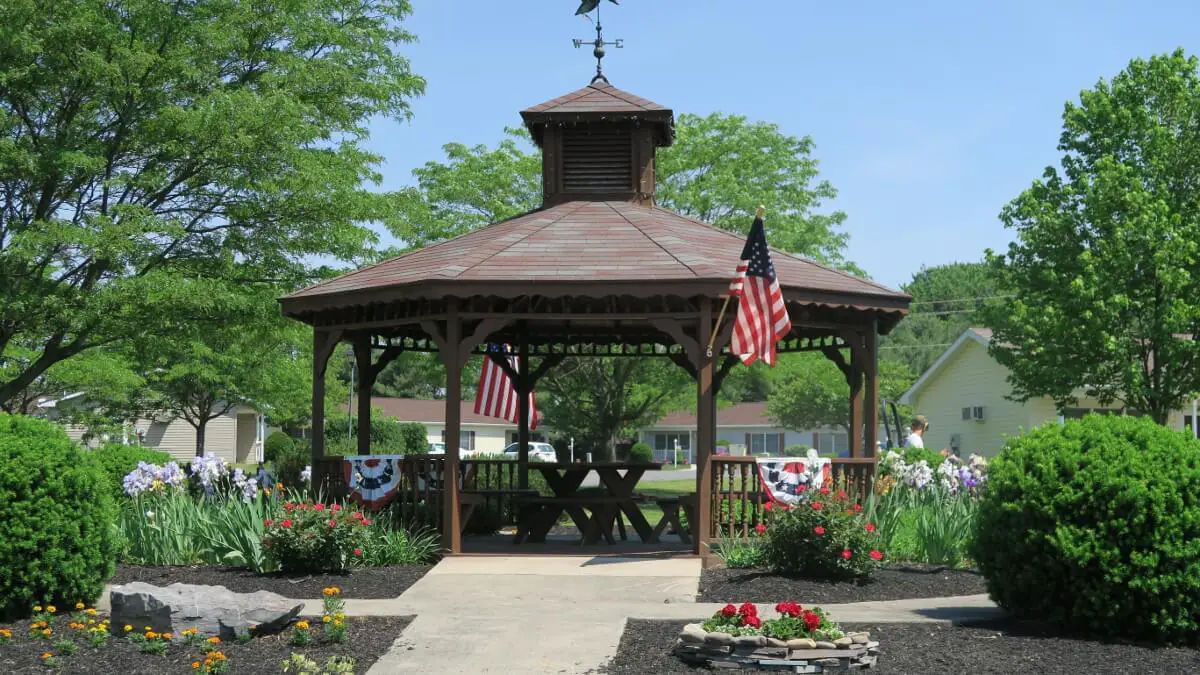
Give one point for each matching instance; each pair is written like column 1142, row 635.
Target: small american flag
column 762, row 317
column 497, row 395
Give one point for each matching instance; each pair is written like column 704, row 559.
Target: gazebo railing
column 738, row 495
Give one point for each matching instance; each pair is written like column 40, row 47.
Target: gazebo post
column 323, row 343
column 871, row 400
column 524, row 386
column 706, row 411
column 366, row 378
column 854, row 376
column 451, row 357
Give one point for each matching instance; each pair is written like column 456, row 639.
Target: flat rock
column 826, row 645
column 212, row 610
column 843, row 642
column 773, row 642
column 692, row 633
column 860, row 638
column 801, row 643
column 723, row 639
column 753, row 641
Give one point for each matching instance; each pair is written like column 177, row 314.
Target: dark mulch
column 369, row 638
column 362, row 582
column 993, row 647
column 893, row 583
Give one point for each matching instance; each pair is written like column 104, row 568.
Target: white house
column 476, row 433
column 237, row 436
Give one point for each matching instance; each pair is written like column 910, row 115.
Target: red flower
column 768, row 506
column 358, row 551
column 819, row 530
column 789, row 608
column 333, row 523
column 748, row 609
column 356, row 515
column 752, row 621
column 846, row 554
column 858, row 508
column 729, row 611
column 289, row 507
column 286, row 524
column 817, row 506
column 870, row 527
column 824, row 490
column 760, row 528
column 876, row 555
column 319, row 507
column 365, row 521
column 841, row 494
column 811, row 620
column 268, row 522
column 336, row 507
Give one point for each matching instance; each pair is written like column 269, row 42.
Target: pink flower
column 819, row 530
column 817, row 506
column 287, row 524
column 768, row 506
column 846, row 554
column 319, row 507
column 876, row 555
column 760, row 528
column 365, row 521
column 336, row 507
column 870, row 527
column 268, row 522
column 333, row 523
column 358, row 551
column 824, row 490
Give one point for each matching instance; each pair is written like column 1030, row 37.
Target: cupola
column 598, row 143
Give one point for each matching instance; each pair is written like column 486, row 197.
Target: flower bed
column 798, row 638
column 897, row 582
column 81, row 641
column 360, row 582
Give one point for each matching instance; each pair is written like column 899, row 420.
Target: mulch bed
column 369, row 638
column 362, row 582
column 988, row 647
column 893, row 583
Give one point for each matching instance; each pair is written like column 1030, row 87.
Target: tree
column 600, row 401
column 810, row 391
column 720, row 168
column 1106, row 261
column 154, row 156
column 947, row 299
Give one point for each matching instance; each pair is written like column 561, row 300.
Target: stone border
column 695, row 646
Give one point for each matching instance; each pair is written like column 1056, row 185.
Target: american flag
column 497, row 395
column 762, row 317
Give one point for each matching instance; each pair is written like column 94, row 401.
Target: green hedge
column 276, row 444
column 1095, row 525
column 58, row 543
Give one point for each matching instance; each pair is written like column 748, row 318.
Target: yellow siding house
column 963, row 396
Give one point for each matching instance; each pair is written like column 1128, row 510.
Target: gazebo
column 598, row 270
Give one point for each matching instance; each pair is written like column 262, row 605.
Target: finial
column 598, row 44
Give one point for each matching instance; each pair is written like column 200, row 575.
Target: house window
column 764, row 444
column 666, row 442
column 833, row 443
column 466, row 439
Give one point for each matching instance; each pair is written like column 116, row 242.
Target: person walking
column 916, row 435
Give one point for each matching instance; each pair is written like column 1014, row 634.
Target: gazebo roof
column 600, row 101
column 578, row 247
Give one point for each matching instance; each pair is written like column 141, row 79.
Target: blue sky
column 927, row 116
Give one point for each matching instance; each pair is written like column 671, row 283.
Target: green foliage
column 912, row 455
column 1095, row 525
column 1104, row 266
column 57, row 543
column 388, row 436
column 277, row 444
column 400, row 547
column 196, row 150
column 178, row 529
column 811, row 392
column 304, row 540
column 117, row 460
column 947, row 299
column 796, row 451
column 640, row 452
column 302, row 665
column 811, row 540
column 414, row 438
column 289, row 463
column 736, row 554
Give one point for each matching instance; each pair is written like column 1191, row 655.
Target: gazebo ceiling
column 587, row 248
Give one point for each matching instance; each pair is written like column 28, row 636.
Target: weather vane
column 598, row 44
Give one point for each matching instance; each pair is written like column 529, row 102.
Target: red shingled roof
column 740, row 415
column 596, row 97
column 585, row 241
column 429, row 411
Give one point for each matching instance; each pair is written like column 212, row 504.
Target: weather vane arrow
column 598, row 44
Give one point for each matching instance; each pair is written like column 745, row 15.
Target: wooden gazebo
column 599, row 270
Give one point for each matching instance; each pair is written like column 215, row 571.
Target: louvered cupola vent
column 598, row 143
column 597, row 159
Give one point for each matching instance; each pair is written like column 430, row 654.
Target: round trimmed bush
column 117, row 461
column 1095, row 526
column 640, row 452
column 58, row 543
column 278, row 443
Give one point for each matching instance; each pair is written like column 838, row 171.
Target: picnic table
column 618, row 480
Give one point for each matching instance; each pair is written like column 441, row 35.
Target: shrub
column 640, row 452
column 388, row 436
column 932, row 457
column 1095, row 525
column 401, row 547
column 316, row 538
column 277, row 443
column 795, row 451
column 57, row 541
column 117, row 461
column 414, row 438
column 825, row 538
column 289, row 463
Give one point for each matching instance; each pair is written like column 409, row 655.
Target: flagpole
column 721, row 317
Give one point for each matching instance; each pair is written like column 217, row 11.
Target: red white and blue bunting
column 372, row 480
column 786, row 480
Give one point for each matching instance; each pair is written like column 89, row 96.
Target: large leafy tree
column 156, row 157
column 811, row 392
column 1106, row 261
column 947, row 299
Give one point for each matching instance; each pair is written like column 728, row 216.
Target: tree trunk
column 200, row 425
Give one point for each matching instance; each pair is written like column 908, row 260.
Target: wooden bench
column 536, row 515
column 670, row 507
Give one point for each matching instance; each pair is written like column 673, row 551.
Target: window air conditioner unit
column 977, row 413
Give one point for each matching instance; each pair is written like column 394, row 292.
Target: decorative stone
column 212, row 610
column 692, row 633
column 843, row 642
column 826, row 645
column 723, row 639
column 801, row 643
column 751, row 641
column 873, row 645
column 829, row 662
column 773, row 642
column 860, row 638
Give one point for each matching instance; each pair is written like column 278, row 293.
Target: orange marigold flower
column 214, row 640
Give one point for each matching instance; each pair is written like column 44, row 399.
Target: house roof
column 589, row 242
column 739, row 415
column 981, row 336
column 431, row 411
